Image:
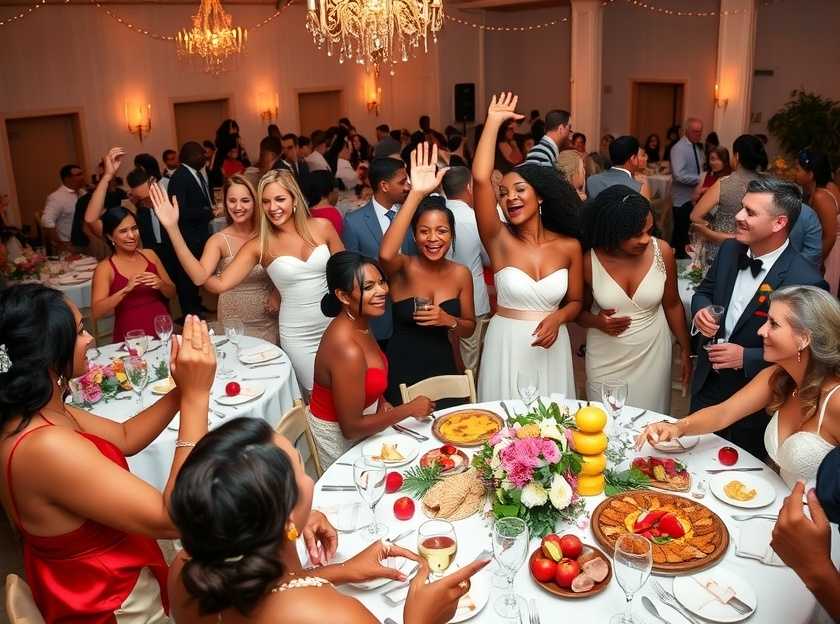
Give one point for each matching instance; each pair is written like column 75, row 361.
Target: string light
column 26, row 12
column 653, row 8
column 463, row 22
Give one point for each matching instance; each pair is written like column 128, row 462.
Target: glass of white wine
column 137, row 372
column 369, row 477
column 510, row 549
column 632, row 562
column 437, row 544
column 528, row 385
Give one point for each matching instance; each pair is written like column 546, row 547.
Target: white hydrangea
column 560, row 492
column 534, row 495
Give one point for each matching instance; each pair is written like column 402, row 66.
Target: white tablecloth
column 152, row 464
column 782, row 597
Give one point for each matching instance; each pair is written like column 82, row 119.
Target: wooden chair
column 293, row 425
column 442, row 387
column 20, row 606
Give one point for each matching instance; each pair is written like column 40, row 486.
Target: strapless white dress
column 507, row 345
column 302, row 285
column 800, row 455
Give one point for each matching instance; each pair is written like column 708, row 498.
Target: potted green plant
column 808, row 120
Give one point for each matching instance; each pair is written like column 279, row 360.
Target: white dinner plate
column 479, row 594
column 72, row 278
column 765, row 492
column 260, row 354
column 247, row 392
column 84, row 263
column 406, row 446
column 694, row 597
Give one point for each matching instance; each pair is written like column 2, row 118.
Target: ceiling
column 493, row 5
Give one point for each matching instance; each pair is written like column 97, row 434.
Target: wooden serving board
column 478, row 441
column 690, row 566
column 554, row 588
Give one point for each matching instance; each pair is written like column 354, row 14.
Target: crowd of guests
column 390, row 293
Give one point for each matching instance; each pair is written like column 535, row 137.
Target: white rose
column 534, row 495
column 495, row 462
column 560, row 493
column 507, row 485
column 549, row 429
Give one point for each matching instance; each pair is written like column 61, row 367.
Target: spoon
column 651, row 608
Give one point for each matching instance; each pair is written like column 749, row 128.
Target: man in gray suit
column 624, row 153
column 363, row 228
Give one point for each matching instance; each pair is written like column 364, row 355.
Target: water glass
column 137, row 372
column 510, row 549
column 614, row 395
column 217, row 332
column 369, row 477
column 437, row 544
column 422, row 303
column 234, row 330
column 632, row 562
column 528, row 385
column 136, row 342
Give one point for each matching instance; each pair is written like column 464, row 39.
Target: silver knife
column 338, row 488
column 718, row 470
column 410, row 433
column 278, row 363
column 258, row 378
column 638, row 416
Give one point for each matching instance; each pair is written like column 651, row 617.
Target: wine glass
column 632, row 562
column 234, row 330
column 217, row 330
column 369, row 477
column 137, row 372
column 510, row 549
column 528, row 384
column 163, row 329
column 614, row 396
column 437, row 544
column 136, row 342
column 716, row 312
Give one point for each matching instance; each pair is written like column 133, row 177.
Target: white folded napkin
column 262, row 351
column 754, row 542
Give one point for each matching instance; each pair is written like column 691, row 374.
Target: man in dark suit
column 624, row 152
column 292, row 159
column 363, row 228
column 190, row 186
column 745, row 272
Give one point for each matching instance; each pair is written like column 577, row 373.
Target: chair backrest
column 442, row 387
column 20, row 606
column 293, row 425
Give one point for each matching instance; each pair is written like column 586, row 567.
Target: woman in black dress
column 426, row 333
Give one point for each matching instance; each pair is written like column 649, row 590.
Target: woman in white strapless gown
column 802, row 339
column 293, row 247
column 538, row 267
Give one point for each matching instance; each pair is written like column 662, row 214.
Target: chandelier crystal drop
column 212, row 41
column 374, row 33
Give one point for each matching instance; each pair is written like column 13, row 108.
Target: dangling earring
column 539, row 208
column 799, row 355
column 292, row 532
column 60, row 381
column 350, row 316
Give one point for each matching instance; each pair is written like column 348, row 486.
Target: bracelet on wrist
column 184, row 444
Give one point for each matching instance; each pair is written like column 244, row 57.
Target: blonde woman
column 293, row 248
column 254, row 301
column 802, row 344
column 570, row 164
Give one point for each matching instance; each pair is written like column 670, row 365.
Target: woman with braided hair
column 631, row 304
column 537, row 263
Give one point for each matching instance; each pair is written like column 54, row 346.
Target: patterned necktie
column 390, row 215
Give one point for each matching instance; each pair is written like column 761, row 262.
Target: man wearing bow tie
column 687, row 160
column 747, row 269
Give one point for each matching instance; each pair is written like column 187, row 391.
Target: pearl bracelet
column 182, row 444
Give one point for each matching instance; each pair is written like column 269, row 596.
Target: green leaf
column 418, row 480
column 505, row 511
column 617, row 482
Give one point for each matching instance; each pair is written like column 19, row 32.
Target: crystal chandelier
column 212, row 41
column 375, row 33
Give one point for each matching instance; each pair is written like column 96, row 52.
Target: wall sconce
column 720, row 102
column 373, row 100
column 138, row 117
column 269, row 106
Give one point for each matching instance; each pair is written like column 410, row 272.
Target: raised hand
column 503, row 108
column 113, row 160
column 195, row 365
column 423, row 165
column 166, row 210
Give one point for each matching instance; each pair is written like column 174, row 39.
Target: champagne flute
column 614, row 395
column 234, row 330
column 510, row 549
column 632, row 562
column 716, row 312
column 137, row 372
column 528, row 385
column 136, row 342
column 369, row 477
column 437, row 544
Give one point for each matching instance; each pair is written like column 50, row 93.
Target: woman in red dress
column 87, row 524
column 131, row 284
column 351, row 372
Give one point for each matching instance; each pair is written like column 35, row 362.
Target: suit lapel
column 372, row 222
column 773, row 278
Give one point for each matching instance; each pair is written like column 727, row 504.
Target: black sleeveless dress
column 416, row 352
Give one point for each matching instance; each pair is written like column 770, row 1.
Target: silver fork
column 669, row 600
column 533, row 614
column 744, row 517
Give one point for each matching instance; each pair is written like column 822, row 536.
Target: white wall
column 643, row 46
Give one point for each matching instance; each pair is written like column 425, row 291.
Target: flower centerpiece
column 105, row 381
column 26, row 266
column 532, row 470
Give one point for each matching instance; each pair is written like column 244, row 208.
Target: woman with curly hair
column 537, row 262
column 631, row 303
column 799, row 388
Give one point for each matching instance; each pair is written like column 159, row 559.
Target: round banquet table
column 152, row 464
column 75, row 282
column 782, row 597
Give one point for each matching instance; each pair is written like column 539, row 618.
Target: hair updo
column 616, row 214
column 39, row 332
column 561, row 203
column 345, row 269
column 231, row 502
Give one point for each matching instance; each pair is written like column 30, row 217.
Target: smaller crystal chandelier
column 212, row 41
column 375, row 33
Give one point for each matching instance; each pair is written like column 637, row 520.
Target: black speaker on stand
column 465, row 103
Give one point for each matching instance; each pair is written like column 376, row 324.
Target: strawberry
column 448, row 449
column 669, row 525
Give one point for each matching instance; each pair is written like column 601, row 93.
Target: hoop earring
column 350, row 316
